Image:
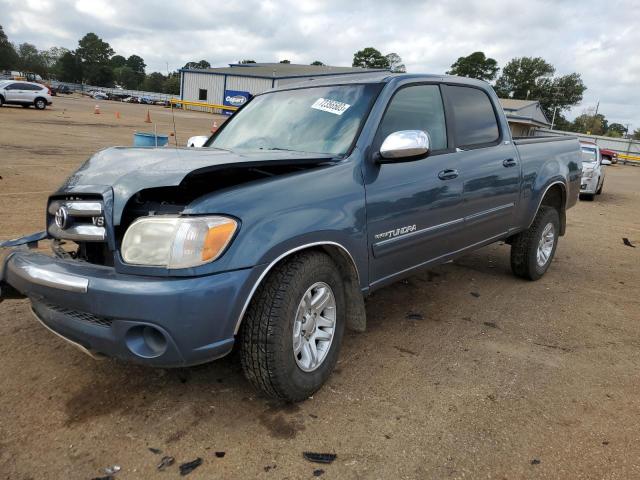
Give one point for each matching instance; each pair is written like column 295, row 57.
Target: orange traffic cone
column 96, row 110
column 117, row 115
column 148, row 118
column 214, row 127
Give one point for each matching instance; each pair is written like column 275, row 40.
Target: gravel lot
column 464, row 372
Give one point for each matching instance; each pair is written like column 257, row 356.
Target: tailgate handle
column 448, row 174
column 509, row 162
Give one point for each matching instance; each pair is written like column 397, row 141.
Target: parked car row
column 124, row 97
column 26, row 94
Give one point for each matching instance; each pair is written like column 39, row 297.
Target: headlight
column 587, row 173
column 177, row 242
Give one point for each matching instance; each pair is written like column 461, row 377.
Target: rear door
column 489, row 163
column 413, row 208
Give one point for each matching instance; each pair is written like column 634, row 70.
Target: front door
column 413, row 207
column 14, row 92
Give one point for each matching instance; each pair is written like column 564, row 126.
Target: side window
column 202, row 95
column 474, row 120
column 418, row 107
column 15, row 86
column 28, row 86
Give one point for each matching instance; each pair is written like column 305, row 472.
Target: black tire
column 1, row 100
column 600, row 188
column 266, row 335
column 587, row 196
column 524, row 247
column 40, row 103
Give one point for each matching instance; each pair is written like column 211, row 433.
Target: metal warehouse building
column 233, row 85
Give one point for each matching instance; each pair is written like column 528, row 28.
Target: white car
column 14, row 92
column 592, row 171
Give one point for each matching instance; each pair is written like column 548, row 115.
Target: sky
column 597, row 39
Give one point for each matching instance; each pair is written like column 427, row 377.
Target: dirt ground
column 464, row 372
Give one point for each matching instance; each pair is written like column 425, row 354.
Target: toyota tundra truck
column 270, row 237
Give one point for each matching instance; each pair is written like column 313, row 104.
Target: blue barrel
column 143, row 139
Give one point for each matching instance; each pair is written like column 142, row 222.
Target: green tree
column 118, row 61
column 154, row 82
column 285, row 61
column 8, row 55
column 636, row 134
column 201, row 65
column 317, row 63
column 532, row 79
column 590, row 124
column 370, row 58
column 172, row 84
column 395, row 63
column 475, row 65
column 69, row 68
column 520, row 77
column 126, row 77
column 616, row 129
column 51, row 58
column 30, row 59
column 136, row 63
column 93, row 50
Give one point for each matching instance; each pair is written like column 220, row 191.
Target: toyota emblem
column 62, row 217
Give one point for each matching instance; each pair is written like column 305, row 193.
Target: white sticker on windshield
column 331, row 106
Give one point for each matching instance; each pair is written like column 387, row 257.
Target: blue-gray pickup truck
column 270, row 236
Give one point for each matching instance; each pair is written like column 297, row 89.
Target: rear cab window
column 416, row 107
column 475, row 123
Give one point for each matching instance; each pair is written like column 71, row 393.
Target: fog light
column 146, row 341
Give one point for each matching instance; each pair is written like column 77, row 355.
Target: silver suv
column 25, row 94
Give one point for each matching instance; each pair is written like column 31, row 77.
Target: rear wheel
column 40, row 103
column 532, row 250
column 291, row 335
column 1, row 101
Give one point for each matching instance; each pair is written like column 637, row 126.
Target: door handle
column 509, row 162
column 448, row 174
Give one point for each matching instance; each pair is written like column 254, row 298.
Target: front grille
column 81, row 316
column 77, row 219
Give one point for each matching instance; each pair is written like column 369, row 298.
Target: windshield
column 321, row 120
column 588, row 154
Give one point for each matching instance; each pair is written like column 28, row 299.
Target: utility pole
column 553, row 119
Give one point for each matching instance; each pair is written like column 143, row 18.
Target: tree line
column 93, row 62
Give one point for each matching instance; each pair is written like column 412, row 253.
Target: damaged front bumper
column 159, row 321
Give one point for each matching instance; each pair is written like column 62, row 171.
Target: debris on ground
column 220, row 454
column 318, row 472
column 165, row 462
column 108, row 477
column 490, row 324
column 535, row 461
column 187, row 468
column 112, row 470
column 320, row 457
column 414, row 316
column 627, row 242
column 155, row 451
column 269, row 467
column 475, row 294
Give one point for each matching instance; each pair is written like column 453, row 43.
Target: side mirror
column 605, row 162
column 405, row 144
column 197, row 142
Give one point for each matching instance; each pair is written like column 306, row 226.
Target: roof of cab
column 377, row 77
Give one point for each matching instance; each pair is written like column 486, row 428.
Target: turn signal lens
column 217, row 239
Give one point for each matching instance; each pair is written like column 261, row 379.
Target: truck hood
column 128, row 170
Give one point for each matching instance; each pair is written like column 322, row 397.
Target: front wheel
column 532, row 250
column 40, row 103
column 600, row 188
column 291, row 334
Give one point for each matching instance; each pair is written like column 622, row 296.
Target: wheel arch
column 346, row 264
column 555, row 195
